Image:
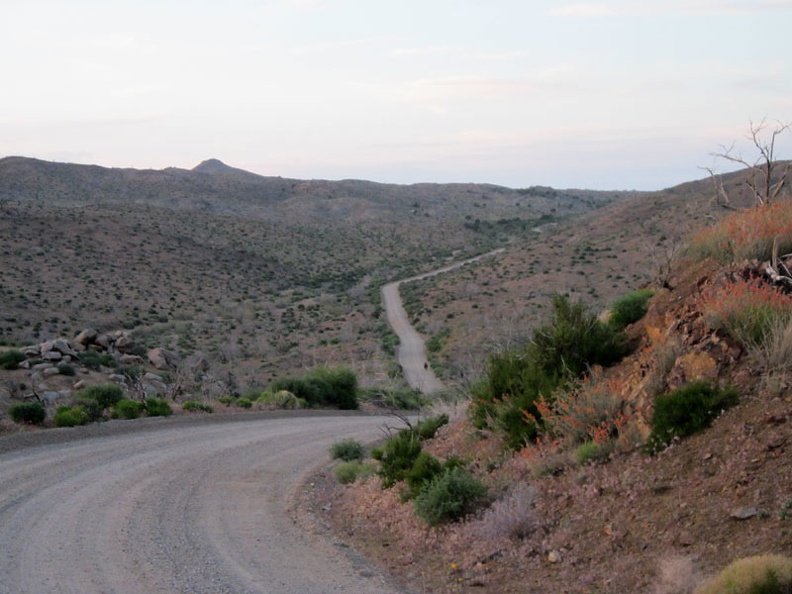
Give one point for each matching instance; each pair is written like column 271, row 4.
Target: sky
column 621, row 94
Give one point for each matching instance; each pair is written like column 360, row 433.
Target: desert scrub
column 349, row 472
column 630, row 308
column 591, row 451
column 126, row 409
column 156, row 407
column 450, row 496
column 323, row 387
column 347, row 450
column 282, row 399
column 686, row 411
column 428, row 427
column 244, row 403
column 66, row 369
column 746, row 235
column 194, row 405
column 510, row 515
column 71, row 416
column 763, row 574
column 105, row 395
column 397, row 457
column 747, row 310
column 10, row 360
column 29, row 413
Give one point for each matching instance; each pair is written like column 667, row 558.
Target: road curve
column 176, row 507
column 411, row 352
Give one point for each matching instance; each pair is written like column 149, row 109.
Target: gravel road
column 190, row 504
column 411, row 352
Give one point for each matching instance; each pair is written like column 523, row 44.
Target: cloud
column 424, row 51
column 669, row 8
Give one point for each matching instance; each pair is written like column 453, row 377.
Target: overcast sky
column 606, row 95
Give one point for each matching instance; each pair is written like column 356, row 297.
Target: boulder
column 52, row 356
column 130, row 360
column 125, row 344
column 86, row 337
column 162, row 358
column 104, row 340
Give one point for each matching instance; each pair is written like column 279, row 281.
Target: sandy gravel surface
column 412, row 351
column 195, row 505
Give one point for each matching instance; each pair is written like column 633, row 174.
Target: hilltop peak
column 212, row 166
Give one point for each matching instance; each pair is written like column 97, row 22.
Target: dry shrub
column 763, row 574
column 746, row 235
column 747, row 310
column 774, row 352
column 678, row 575
column 511, row 515
column 592, row 409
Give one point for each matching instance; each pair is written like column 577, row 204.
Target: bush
column 686, row 411
column 347, row 450
column 244, row 403
column 323, row 387
column 400, row 399
column 763, row 574
column 425, row 468
column 449, row 497
column 511, row 515
column 591, row 451
column 66, row 369
column 194, row 405
column 31, row 413
column 397, row 457
column 90, row 359
column 156, row 407
column 281, row 399
column 630, row 308
column 10, row 360
column 227, row 400
column 71, row 416
column 91, row 407
column 427, row 428
column 126, row 409
column 106, row 395
column 349, row 472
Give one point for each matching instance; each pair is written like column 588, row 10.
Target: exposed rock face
column 125, row 344
column 162, row 358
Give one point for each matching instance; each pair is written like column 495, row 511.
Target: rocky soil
column 635, row 523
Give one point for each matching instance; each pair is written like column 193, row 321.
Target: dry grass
column 770, row 574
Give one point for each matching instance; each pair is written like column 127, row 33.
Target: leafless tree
column 768, row 177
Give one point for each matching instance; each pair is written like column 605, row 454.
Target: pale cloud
column 423, row 51
column 330, row 46
column 669, row 8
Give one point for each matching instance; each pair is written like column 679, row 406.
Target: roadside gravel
column 194, row 504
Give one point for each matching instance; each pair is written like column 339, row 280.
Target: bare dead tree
column 768, row 177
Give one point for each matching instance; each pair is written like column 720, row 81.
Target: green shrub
column 244, row 403
column 90, row 406
column 397, row 457
column 66, row 369
column 349, row 472
column 194, row 405
column 763, row 574
column 323, row 387
column 90, row 359
column 630, row 308
column 592, row 451
column 127, row 409
column 400, row 399
column 449, row 497
column 31, row 413
column 106, row 395
column 281, row 399
column 227, row 400
column 426, row 428
column 156, row 407
column 71, row 416
column 10, row 360
column 347, row 450
column 686, row 411
column 425, row 468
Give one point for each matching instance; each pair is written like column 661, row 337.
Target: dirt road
column 196, row 506
column 411, row 352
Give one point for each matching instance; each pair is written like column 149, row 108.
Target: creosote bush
column 630, row 308
column 347, row 450
column 156, row 407
column 763, row 574
column 194, row 405
column 686, row 411
column 71, row 416
column 30, row 413
column 323, row 387
column 450, row 496
column 560, row 351
column 10, row 360
column 126, row 409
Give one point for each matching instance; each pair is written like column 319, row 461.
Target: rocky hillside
column 565, row 516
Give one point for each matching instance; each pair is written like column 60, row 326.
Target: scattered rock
column 554, row 557
column 743, row 513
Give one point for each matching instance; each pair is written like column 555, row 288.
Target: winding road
column 411, row 352
column 190, row 504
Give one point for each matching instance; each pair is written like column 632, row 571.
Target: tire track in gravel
column 199, row 508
